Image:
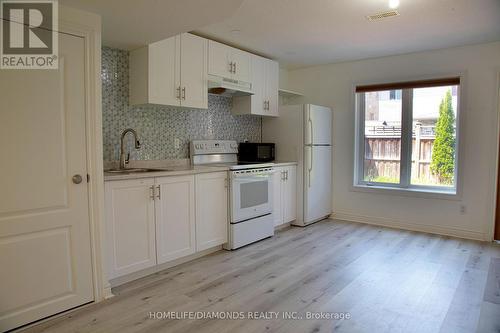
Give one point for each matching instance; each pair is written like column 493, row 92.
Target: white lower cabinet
column 211, row 210
column 175, row 218
column 130, row 226
column 284, row 194
column 156, row 220
column 277, row 189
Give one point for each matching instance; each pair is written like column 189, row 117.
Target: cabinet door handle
column 231, row 67
column 178, row 96
column 184, row 93
column 234, row 68
column 152, row 193
column 159, row 192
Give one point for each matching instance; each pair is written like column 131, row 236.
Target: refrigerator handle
column 311, row 132
column 310, row 167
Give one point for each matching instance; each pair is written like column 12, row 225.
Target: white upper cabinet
column 175, row 72
column 242, row 64
column 163, row 71
column 265, row 85
column 229, row 62
column 172, row 71
column 194, row 65
column 272, row 87
column 219, row 59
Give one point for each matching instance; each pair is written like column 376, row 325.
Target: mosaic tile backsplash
column 159, row 126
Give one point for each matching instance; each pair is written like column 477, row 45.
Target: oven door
column 251, row 194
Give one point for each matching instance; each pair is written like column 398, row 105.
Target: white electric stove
column 250, row 191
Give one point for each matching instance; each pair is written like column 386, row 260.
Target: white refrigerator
column 303, row 133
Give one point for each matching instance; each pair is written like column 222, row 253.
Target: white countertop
column 284, row 163
column 173, row 171
column 176, row 170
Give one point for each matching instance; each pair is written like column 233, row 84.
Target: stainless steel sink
column 134, row 170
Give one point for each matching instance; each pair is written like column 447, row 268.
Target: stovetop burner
column 220, row 153
column 243, row 166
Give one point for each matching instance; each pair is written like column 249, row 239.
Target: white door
column 130, row 226
column 211, row 210
column 317, row 182
column 318, row 125
column 219, row 59
column 194, row 71
column 175, row 218
column 242, row 65
column 278, row 179
column 272, row 86
column 45, row 256
column 164, row 72
column 290, row 194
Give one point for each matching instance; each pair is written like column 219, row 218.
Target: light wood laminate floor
column 388, row 280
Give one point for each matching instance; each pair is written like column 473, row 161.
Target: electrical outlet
column 463, row 209
column 177, row 143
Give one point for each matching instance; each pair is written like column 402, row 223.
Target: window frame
column 404, row 187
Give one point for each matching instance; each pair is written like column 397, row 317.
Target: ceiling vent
column 382, row 15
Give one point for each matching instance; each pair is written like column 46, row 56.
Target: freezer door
column 317, row 182
column 318, row 125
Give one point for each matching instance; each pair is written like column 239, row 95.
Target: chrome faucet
column 125, row 160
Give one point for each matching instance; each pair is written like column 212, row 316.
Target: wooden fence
column 383, row 155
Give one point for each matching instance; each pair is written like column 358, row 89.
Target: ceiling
column 301, row 33
column 309, row 32
column 129, row 24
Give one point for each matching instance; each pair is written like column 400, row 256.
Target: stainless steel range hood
column 228, row 87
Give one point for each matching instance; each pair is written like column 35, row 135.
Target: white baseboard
column 148, row 271
column 393, row 223
column 107, row 293
column 282, row 226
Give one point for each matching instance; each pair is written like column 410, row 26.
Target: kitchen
column 165, row 136
column 195, row 171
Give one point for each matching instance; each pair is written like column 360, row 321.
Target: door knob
column 77, row 179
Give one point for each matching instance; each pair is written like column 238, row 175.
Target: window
column 395, row 94
column 407, row 135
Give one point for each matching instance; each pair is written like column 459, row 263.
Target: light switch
column 177, row 143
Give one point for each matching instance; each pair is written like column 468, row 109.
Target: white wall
column 332, row 85
column 283, row 80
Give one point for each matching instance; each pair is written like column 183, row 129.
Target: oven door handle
column 253, row 175
column 253, row 178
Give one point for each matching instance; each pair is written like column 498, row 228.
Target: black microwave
column 256, row 152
